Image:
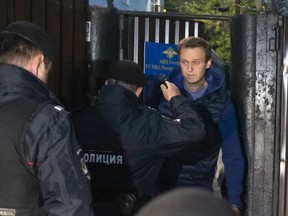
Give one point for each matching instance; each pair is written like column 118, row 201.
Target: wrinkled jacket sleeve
column 185, row 127
column 232, row 154
column 65, row 187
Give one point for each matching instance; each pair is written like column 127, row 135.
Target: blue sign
column 160, row 58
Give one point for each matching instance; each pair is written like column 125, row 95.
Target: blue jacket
column 198, row 168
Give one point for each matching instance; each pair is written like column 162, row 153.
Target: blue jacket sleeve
column 232, row 154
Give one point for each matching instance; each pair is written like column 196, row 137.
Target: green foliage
column 218, row 35
column 283, row 7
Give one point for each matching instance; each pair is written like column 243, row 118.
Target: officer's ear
column 35, row 64
column 138, row 91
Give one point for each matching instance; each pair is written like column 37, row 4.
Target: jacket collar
column 118, row 95
column 16, row 81
column 215, row 80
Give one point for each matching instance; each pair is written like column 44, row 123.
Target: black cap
column 36, row 35
column 127, row 71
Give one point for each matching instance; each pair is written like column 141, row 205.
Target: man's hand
column 236, row 210
column 170, row 90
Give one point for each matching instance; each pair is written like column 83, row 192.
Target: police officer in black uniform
column 40, row 160
column 125, row 142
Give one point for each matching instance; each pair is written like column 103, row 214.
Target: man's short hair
column 194, row 42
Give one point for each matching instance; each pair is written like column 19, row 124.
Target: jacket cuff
column 175, row 98
column 235, row 200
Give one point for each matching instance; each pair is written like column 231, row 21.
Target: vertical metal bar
column 196, row 29
column 157, row 30
column 283, row 178
column 147, row 29
column 237, row 7
column 186, row 29
column 177, row 30
column 283, row 145
column 136, row 38
column 167, row 22
column 121, row 29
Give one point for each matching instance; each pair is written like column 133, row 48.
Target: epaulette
column 174, row 120
column 151, row 108
column 58, row 108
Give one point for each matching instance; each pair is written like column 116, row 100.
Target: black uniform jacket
column 120, row 131
column 47, row 151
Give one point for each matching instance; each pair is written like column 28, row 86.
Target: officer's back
column 125, row 142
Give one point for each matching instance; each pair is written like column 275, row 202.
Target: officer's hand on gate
column 169, row 90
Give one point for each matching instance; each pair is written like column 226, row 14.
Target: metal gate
column 131, row 30
column 256, row 65
column 136, row 28
column 283, row 178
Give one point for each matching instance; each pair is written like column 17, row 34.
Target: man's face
column 193, row 65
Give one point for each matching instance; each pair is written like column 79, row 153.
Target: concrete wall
column 255, row 77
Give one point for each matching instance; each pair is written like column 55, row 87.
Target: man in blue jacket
column 196, row 80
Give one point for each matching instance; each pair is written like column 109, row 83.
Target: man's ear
column 208, row 64
column 138, row 91
column 35, row 63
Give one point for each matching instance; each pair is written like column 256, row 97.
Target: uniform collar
column 16, row 81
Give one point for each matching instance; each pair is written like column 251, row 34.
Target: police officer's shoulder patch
column 80, row 155
column 55, row 107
